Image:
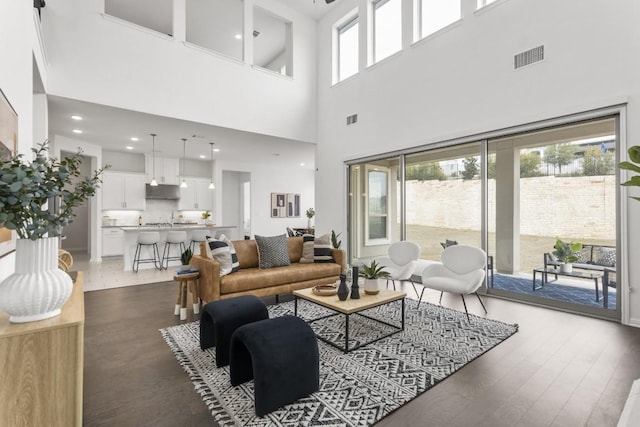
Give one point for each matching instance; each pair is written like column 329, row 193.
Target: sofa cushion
column 308, row 250
column 322, row 249
column 606, row 257
column 221, row 252
column 235, row 265
column 273, row 251
column 256, row 278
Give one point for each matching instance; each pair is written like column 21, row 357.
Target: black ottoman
column 220, row 318
column 281, row 356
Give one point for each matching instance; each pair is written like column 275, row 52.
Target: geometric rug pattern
column 556, row 291
column 358, row 388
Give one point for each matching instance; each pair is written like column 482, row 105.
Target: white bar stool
column 147, row 238
column 173, row 238
column 197, row 237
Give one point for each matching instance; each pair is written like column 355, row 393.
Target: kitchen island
column 131, row 237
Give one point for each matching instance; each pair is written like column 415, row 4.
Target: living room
column 453, row 86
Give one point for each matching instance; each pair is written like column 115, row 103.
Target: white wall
column 17, row 37
column 265, row 180
column 460, row 82
column 106, row 61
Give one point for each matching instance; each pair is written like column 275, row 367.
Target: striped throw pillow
column 235, row 265
column 308, row 251
column 322, row 250
column 221, row 252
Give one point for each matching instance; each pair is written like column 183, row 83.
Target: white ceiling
column 112, row 129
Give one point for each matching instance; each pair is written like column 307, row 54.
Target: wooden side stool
column 187, row 281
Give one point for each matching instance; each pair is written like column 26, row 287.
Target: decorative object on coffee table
column 325, row 290
column 185, row 259
column 371, row 274
column 343, row 289
column 38, row 288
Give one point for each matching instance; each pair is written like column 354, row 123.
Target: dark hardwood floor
column 559, row 370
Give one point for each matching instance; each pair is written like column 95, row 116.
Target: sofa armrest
column 340, row 257
column 209, row 277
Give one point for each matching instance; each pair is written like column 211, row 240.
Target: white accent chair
column 401, row 262
column 461, row 272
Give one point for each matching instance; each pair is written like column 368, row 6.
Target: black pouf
column 281, row 356
column 221, row 318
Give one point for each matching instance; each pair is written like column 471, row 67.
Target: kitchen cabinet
column 123, row 191
column 112, row 242
column 166, row 169
column 196, row 196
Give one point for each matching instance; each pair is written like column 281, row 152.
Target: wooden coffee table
column 352, row 306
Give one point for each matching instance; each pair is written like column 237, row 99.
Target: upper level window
column 483, row 3
column 348, row 41
column 216, row 25
column 138, row 12
column 272, row 42
column 436, row 14
column 387, row 28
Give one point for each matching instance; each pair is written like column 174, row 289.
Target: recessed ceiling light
column 301, row 164
column 202, row 156
column 77, row 131
column 276, row 154
column 238, row 36
column 135, row 138
column 128, row 147
column 216, row 149
column 76, row 117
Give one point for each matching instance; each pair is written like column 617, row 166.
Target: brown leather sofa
column 251, row 280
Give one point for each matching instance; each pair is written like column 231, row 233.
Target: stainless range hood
column 163, row 192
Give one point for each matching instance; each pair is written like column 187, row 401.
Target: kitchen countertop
column 174, row 227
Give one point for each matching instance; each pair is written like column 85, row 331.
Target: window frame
column 340, row 29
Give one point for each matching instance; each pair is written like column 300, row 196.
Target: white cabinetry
column 196, row 196
column 123, row 191
column 166, row 170
column 112, row 242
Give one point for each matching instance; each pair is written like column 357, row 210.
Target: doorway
column 236, row 202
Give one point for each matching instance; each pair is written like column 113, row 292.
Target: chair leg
column 481, row 303
column 136, row 256
column 165, row 255
column 420, row 299
column 414, row 286
column 465, row 308
column 440, row 301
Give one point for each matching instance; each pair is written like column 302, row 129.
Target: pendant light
column 212, row 186
column 184, row 156
column 154, row 183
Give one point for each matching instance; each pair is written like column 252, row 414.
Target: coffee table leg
column 346, row 333
column 597, row 295
column 403, row 314
column 295, row 305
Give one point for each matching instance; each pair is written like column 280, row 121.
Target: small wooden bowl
column 325, row 290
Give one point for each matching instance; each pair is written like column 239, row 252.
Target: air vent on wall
column 528, row 57
column 352, row 119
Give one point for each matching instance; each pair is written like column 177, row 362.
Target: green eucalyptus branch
column 27, row 189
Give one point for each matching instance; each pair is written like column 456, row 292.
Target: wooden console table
column 41, row 367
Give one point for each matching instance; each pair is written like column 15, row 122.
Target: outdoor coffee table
column 578, row 274
column 349, row 307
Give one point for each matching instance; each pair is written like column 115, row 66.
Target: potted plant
column 567, row 253
column 185, row 258
column 310, row 213
column 205, row 216
column 334, row 240
column 371, row 274
column 38, row 289
column 634, row 155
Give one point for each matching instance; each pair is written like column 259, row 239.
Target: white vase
column 372, row 286
column 37, row 289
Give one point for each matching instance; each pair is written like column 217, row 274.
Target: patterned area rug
column 358, row 388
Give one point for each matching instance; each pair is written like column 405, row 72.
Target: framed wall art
column 8, row 147
column 285, row 205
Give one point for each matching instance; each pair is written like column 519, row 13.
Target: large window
column 435, row 15
column 348, row 49
column 387, row 28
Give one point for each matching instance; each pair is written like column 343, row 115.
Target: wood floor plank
column 559, row 370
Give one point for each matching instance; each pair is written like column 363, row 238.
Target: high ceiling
column 112, row 128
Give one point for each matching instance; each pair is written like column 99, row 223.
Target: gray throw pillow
column 607, row 257
column 272, row 251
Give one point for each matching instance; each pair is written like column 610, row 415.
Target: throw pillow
column 322, row 249
column 607, row 257
column 221, row 252
column 273, row 251
column 308, row 242
column 235, row 265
